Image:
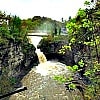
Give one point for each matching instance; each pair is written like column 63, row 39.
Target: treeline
column 13, row 27
column 85, row 27
column 42, row 24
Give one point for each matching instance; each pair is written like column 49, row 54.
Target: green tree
column 15, row 24
column 84, row 29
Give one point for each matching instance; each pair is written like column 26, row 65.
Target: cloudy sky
column 55, row 9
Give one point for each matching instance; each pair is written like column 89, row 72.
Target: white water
column 46, row 67
column 41, row 56
column 42, row 86
column 34, row 40
column 51, row 68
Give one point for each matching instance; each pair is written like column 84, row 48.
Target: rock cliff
column 51, row 50
column 15, row 63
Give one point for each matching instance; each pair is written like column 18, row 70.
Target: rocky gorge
column 40, row 83
column 16, row 68
column 51, row 51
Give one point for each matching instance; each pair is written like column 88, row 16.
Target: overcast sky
column 55, row 9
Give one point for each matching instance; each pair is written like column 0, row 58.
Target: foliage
column 64, row 48
column 84, row 29
column 87, row 3
column 60, row 79
column 80, row 28
column 41, row 24
column 93, row 90
column 12, row 80
column 13, row 30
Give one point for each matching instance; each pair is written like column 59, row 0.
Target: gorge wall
column 51, row 50
column 16, row 60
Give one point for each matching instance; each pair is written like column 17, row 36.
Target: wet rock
column 51, row 51
column 43, row 88
column 14, row 63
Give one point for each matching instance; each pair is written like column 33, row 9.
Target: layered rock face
column 11, row 56
column 51, row 51
column 14, row 64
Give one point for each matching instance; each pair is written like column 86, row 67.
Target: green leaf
column 81, row 63
column 72, row 40
column 87, row 3
column 70, row 68
column 81, row 13
column 69, row 79
column 72, row 86
column 87, row 73
column 60, row 78
column 75, row 67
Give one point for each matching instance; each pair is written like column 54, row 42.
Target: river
column 40, row 83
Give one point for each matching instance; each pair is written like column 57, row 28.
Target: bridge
column 35, row 38
column 37, row 34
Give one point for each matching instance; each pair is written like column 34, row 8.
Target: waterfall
column 35, row 41
column 41, row 56
column 46, row 67
column 39, row 82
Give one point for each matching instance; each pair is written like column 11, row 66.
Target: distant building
column 4, row 19
column 63, row 31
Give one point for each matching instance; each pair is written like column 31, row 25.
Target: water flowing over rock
column 51, row 51
column 40, row 84
column 43, row 88
column 51, row 68
column 46, row 67
column 41, row 56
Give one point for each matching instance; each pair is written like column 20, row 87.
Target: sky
column 55, row 9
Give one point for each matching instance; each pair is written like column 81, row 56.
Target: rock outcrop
column 51, row 51
column 15, row 64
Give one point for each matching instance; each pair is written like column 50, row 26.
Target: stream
column 40, row 83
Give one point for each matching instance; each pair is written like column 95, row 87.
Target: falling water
column 39, row 81
column 35, row 41
column 46, row 67
column 41, row 56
